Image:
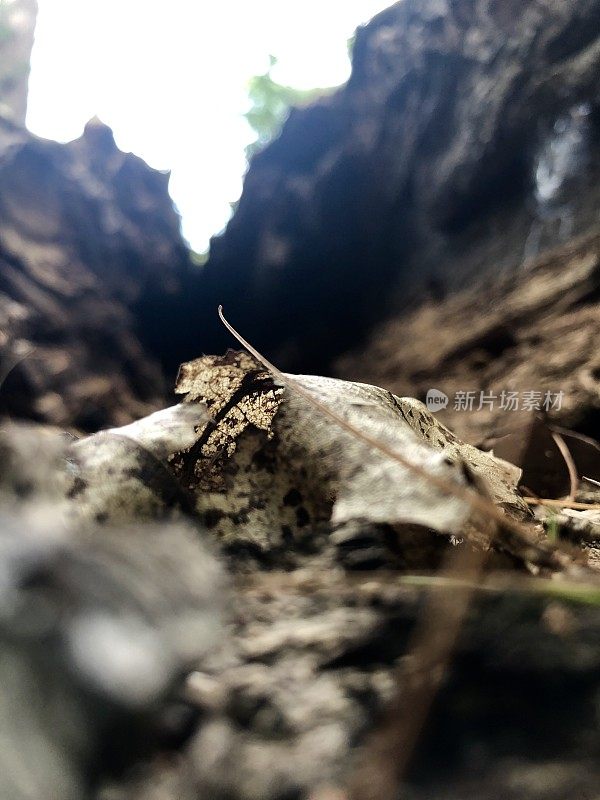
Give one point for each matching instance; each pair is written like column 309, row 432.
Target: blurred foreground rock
column 99, row 626
column 97, row 633
column 132, row 670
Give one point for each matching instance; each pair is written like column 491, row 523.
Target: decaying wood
column 420, row 174
column 538, row 330
column 90, row 256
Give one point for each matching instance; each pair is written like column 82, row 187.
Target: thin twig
column 590, row 480
column 540, row 501
column 575, row 435
column 566, row 454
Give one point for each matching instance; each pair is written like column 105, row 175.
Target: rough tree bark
column 465, row 141
column 464, row 144
column 92, row 268
column 537, row 330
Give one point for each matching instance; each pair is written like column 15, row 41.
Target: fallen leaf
column 269, row 464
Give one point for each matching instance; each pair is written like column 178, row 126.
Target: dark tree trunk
column 465, row 142
column 92, row 268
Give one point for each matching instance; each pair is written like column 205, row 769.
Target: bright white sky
column 170, row 76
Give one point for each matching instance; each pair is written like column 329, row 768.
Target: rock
column 97, row 631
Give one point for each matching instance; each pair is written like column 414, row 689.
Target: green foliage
column 577, row 593
column 552, row 527
column 198, row 259
column 271, row 102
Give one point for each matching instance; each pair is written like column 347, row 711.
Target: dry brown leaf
column 281, row 465
column 122, row 474
column 238, row 392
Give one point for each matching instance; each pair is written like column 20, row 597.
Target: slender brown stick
column 566, row 454
column 591, row 480
column 575, row 435
column 540, row 501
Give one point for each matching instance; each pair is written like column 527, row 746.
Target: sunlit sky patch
column 170, row 77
